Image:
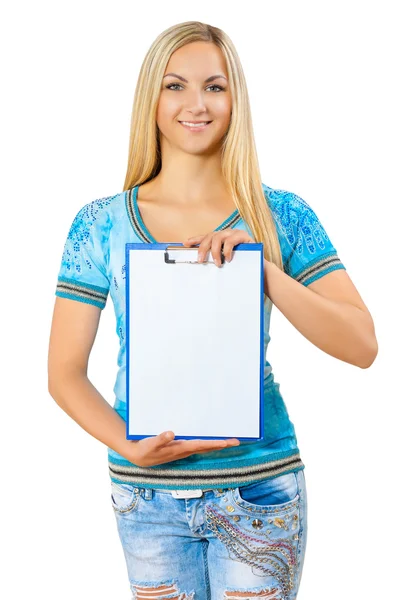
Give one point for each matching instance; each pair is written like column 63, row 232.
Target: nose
column 195, row 102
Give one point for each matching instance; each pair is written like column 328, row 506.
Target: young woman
column 240, row 528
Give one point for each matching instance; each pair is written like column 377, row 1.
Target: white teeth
column 194, row 124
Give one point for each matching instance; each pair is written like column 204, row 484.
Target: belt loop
column 148, row 493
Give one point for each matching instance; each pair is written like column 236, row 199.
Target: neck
column 190, row 180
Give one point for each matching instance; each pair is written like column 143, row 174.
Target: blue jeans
column 220, row 545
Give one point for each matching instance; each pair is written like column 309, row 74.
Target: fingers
column 197, row 445
column 194, row 240
column 158, row 450
column 204, row 242
column 216, row 247
column 206, row 446
column 213, row 241
column 236, row 237
column 161, row 439
column 177, row 447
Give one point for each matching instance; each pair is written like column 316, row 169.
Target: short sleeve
column 82, row 274
column 307, row 251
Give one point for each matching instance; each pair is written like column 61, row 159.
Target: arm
column 73, row 332
column 329, row 312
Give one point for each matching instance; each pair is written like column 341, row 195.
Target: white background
column 323, row 84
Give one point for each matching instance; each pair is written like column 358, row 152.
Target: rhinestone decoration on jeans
column 279, row 553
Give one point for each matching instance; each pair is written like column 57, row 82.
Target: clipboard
column 194, row 342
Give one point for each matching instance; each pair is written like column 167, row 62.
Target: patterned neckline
column 140, row 228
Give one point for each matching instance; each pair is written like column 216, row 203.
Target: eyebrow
column 186, row 81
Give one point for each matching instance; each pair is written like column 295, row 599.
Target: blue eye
column 171, row 85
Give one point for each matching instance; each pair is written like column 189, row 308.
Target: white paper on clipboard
column 195, row 355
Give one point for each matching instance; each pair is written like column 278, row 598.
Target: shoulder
column 287, row 207
column 308, row 253
column 95, row 218
column 84, row 273
column 295, row 218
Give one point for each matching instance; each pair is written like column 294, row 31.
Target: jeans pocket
column 269, row 495
column 260, row 525
column 124, row 497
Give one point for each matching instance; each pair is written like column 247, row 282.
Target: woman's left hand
column 213, row 241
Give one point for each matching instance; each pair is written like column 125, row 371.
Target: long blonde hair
column 240, row 167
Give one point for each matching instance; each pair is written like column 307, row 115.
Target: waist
column 186, row 493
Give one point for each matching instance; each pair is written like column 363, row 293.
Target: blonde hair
column 239, row 160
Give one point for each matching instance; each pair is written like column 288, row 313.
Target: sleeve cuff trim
column 68, row 288
column 81, row 299
column 324, row 265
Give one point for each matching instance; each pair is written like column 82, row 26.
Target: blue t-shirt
column 93, row 266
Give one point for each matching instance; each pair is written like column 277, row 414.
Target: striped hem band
column 203, row 478
column 83, row 292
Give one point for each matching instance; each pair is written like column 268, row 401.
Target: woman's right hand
column 160, row 449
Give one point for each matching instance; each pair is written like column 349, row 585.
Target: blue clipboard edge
column 259, row 247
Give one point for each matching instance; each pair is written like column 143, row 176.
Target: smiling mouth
column 199, row 125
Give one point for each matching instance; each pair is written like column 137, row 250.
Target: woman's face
column 187, row 96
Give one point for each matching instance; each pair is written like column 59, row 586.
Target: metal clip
column 170, row 261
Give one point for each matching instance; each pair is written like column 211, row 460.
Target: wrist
column 269, row 268
column 128, row 450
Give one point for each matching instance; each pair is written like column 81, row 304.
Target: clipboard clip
column 171, row 261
